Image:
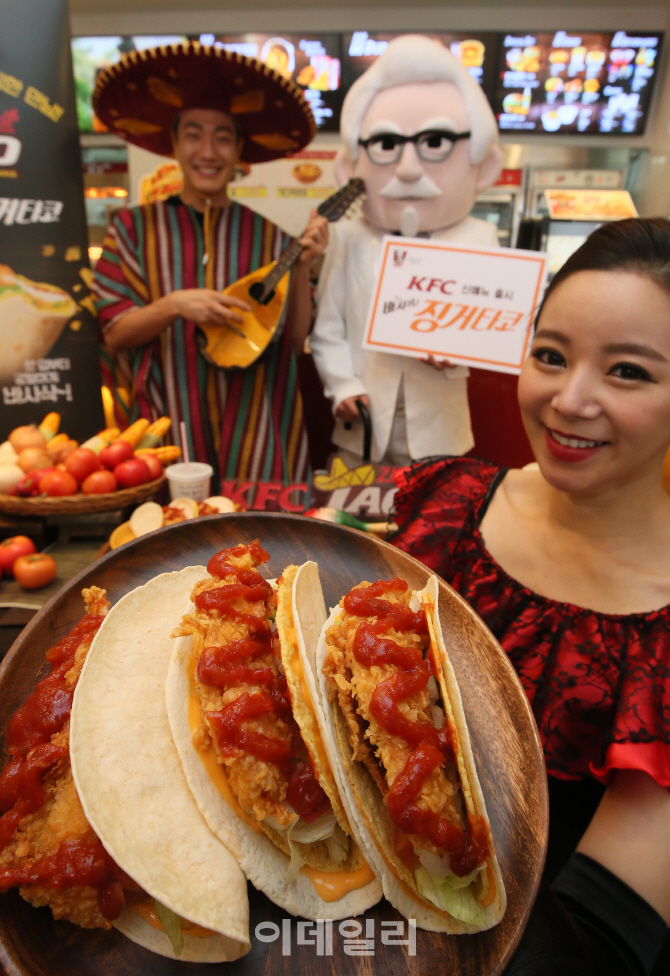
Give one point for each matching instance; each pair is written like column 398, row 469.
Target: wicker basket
column 79, row 504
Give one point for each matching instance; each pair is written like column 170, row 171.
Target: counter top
column 17, row 605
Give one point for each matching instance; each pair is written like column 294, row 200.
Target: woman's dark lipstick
column 571, row 452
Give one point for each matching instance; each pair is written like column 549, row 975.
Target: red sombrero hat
column 139, row 97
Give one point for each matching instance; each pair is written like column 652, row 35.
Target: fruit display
column 38, row 461
column 34, row 571
column 20, row 559
column 11, row 549
column 151, row 516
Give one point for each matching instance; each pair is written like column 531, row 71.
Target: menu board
column 91, row 55
column 474, row 49
column 312, row 61
column 572, row 82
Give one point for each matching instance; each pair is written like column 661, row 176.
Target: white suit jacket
column 436, row 403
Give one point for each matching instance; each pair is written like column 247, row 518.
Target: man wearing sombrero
column 163, row 265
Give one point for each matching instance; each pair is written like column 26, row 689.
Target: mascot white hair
column 414, row 59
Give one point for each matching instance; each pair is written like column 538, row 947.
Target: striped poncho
column 247, row 423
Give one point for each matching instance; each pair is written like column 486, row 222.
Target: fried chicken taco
column 48, row 846
column 32, row 316
column 245, row 715
column 193, row 897
column 400, row 748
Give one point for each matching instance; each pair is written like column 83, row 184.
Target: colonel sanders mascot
column 418, row 130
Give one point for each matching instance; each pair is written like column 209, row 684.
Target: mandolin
column 266, row 290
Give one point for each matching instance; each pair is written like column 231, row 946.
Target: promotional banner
column 473, row 305
column 48, row 334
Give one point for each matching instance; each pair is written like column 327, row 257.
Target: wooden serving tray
column 504, row 738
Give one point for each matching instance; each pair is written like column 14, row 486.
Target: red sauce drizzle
column 46, row 710
column 363, row 602
column 305, row 794
column 76, row 863
column 227, row 723
column 222, row 667
column 431, row 747
column 219, row 566
column 21, row 789
column 28, row 739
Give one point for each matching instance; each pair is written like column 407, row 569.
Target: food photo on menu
column 476, row 50
column 312, row 61
column 569, row 82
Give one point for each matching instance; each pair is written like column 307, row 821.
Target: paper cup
column 191, row 480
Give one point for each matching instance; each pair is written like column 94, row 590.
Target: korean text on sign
column 472, row 305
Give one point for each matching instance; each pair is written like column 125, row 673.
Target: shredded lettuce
column 338, row 845
column 170, row 922
column 452, row 894
column 325, row 828
column 308, row 833
column 297, row 860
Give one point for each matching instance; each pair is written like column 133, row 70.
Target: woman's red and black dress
column 598, row 684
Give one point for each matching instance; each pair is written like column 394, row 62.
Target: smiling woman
column 569, row 565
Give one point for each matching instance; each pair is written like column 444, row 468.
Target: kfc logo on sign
column 10, row 146
column 399, row 258
column 10, row 150
column 8, row 120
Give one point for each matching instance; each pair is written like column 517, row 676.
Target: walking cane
column 367, row 429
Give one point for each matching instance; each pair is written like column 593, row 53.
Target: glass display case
column 502, row 205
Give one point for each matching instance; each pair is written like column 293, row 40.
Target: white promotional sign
column 472, row 305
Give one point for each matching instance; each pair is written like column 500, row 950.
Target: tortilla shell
column 261, row 860
column 301, row 614
column 365, row 806
column 130, row 780
column 195, row 949
column 472, row 790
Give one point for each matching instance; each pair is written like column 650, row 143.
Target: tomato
column 116, row 453
column 99, row 483
column 154, row 465
column 11, row 549
column 58, row 483
column 30, row 486
column 81, row 463
column 34, row 571
column 131, row 473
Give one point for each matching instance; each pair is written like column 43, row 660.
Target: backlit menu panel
column 312, row 61
column 474, row 49
column 91, row 55
column 572, row 82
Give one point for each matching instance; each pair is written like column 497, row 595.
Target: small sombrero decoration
column 139, row 97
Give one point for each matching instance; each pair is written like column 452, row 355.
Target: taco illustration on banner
column 164, row 181
column 32, row 316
